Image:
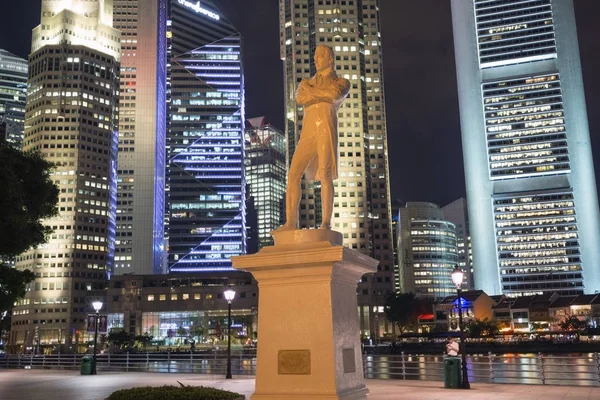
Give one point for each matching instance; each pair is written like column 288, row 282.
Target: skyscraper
column 361, row 205
column 266, row 176
column 533, row 207
column 427, row 251
column 71, row 118
column 205, row 139
column 140, row 243
column 457, row 213
column 13, row 93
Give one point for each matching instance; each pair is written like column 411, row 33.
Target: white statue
column 316, row 152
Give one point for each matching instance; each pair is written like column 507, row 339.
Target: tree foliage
column 28, row 195
column 572, row 323
column 13, row 284
column 482, row 327
column 404, row 310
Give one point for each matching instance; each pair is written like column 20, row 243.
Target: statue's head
column 324, row 58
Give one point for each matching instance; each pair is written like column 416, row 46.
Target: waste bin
column 452, row 372
column 86, row 365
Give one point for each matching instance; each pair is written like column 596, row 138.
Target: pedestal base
column 308, row 333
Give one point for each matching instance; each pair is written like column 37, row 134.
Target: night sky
column 419, row 75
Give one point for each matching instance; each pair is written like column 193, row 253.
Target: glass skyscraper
column 71, row 118
column 13, row 93
column 205, row 139
column 533, row 207
column 140, row 242
column 266, row 176
column 362, row 210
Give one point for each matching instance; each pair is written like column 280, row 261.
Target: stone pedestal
column 308, row 333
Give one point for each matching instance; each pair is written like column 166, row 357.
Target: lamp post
column 229, row 296
column 97, row 307
column 457, row 278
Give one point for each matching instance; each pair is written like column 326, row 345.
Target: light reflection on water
column 556, row 369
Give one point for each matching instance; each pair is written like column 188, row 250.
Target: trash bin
column 452, row 372
column 86, row 365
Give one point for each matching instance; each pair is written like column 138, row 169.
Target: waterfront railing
column 544, row 369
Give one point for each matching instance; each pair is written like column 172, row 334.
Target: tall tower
column 533, row 207
column 205, row 139
column 140, row 243
column 13, row 93
column 266, row 176
column 71, row 118
column 361, row 205
column 427, row 251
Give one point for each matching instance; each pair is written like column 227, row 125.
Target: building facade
column 140, row 244
column 178, row 307
column 205, row 139
column 427, row 251
column 361, row 205
column 71, row 118
column 266, row 176
column 13, row 95
column 533, row 206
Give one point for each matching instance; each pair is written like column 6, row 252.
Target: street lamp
column 97, row 307
column 457, row 278
column 229, row 296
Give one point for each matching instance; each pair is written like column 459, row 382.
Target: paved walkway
column 69, row 385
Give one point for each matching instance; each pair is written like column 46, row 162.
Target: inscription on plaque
column 293, row 362
column 348, row 359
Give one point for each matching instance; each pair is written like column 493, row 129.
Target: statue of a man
column 316, row 152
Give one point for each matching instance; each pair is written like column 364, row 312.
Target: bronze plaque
column 293, row 362
column 348, row 359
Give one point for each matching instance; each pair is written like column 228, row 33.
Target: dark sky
column 420, row 82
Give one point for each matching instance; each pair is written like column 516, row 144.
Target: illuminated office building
column 457, row 213
column 71, row 118
column 140, row 244
column 266, row 176
column 13, row 93
column 533, row 207
column 361, row 205
column 427, row 251
column 205, row 139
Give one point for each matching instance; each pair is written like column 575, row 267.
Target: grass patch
column 174, row 393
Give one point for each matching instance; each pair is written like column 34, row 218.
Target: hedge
column 174, row 393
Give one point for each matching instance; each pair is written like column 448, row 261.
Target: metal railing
column 198, row 363
column 573, row 370
column 580, row 370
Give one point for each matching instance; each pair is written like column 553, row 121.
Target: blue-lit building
column 205, row 139
column 533, row 206
column 13, row 94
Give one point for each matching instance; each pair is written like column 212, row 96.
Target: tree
column 13, row 284
column 572, row 323
column 482, row 327
column 119, row 339
column 404, row 309
column 28, row 196
column 143, row 340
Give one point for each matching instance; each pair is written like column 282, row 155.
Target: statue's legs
column 326, row 198
column 305, row 153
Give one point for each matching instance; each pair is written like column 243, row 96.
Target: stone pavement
column 69, row 385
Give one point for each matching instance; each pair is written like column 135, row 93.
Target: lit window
column 174, row 297
column 150, row 297
column 162, row 297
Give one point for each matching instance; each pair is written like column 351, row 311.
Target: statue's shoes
column 283, row 228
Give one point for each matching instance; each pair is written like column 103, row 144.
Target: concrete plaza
column 69, row 385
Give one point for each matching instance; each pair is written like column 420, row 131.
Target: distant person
column 452, row 347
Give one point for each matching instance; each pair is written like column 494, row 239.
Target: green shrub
column 174, row 393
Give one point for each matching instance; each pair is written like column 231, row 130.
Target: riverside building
column 205, row 139
column 71, row 118
column 361, row 205
column 533, row 207
column 140, row 238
